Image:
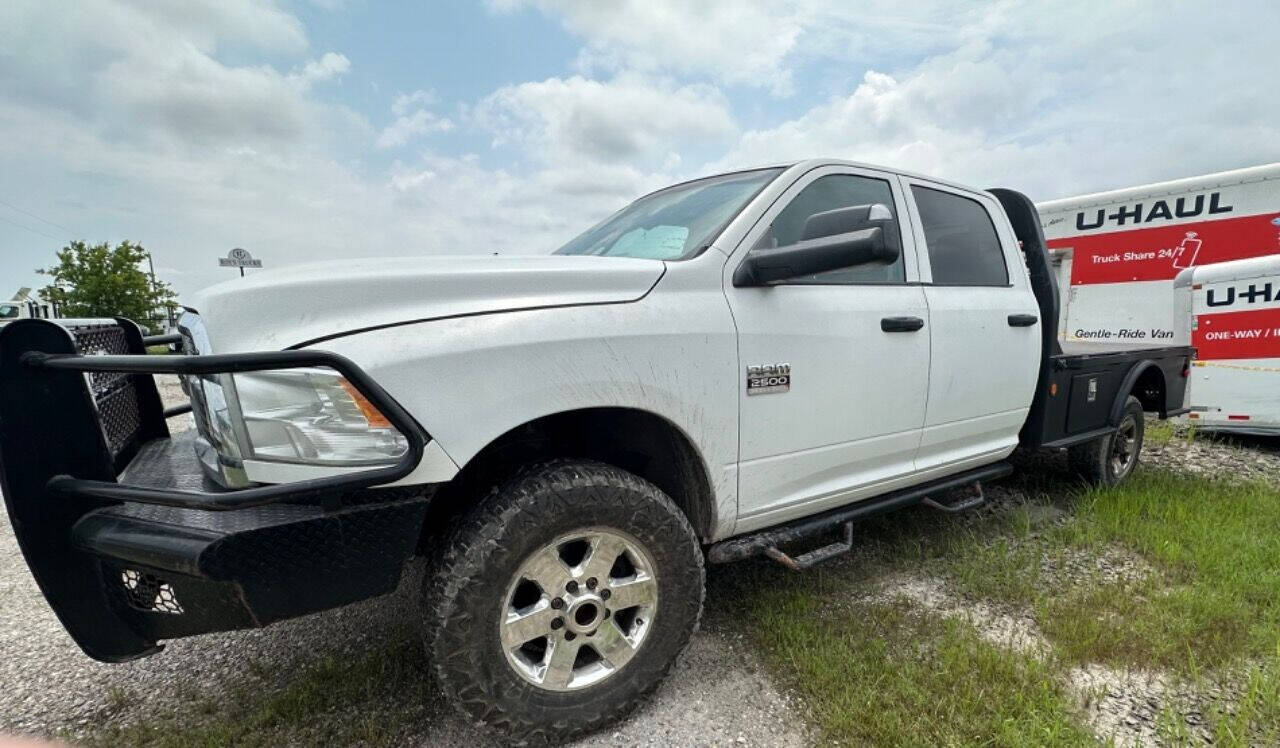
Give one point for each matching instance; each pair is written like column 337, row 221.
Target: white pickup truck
column 720, row 369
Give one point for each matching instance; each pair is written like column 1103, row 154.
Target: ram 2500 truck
column 721, row 369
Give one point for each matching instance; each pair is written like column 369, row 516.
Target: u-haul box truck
column 1231, row 313
column 1117, row 254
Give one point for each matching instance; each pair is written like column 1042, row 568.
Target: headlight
column 297, row 416
column 314, row 416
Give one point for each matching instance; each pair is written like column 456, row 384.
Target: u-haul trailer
column 1117, row 254
column 1231, row 313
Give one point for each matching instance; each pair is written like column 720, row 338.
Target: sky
column 322, row 129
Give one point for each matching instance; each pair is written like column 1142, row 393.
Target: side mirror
column 845, row 220
column 832, row 240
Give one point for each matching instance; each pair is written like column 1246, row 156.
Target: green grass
column 1208, row 610
column 1200, row 601
column 883, row 674
column 1213, row 597
column 1159, row 432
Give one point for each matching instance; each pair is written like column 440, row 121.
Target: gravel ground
column 1219, row 456
column 716, row 696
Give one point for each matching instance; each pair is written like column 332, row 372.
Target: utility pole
column 151, row 270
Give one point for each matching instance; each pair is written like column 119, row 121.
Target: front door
column 847, row 423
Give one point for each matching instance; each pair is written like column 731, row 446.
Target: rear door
column 846, row 424
column 985, row 340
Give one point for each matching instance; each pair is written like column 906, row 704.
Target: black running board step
column 976, row 498
column 815, row 556
column 746, row 546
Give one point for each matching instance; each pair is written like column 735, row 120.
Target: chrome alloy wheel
column 578, row 609
column 1124, row 447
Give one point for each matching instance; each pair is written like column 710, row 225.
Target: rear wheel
column 562, row 600
column 1109, row 460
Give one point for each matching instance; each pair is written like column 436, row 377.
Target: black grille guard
column 226, row 364
column 78, row 405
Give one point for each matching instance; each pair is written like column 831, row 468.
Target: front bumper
column 130, row 544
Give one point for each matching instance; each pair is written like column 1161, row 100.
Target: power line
column 36, row 217
column 28, row 228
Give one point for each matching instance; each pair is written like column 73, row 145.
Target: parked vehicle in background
column 25, row 305
column 1117, row 254
column 1230, row 311
column 722, row 368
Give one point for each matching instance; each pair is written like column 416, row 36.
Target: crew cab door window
column 829, row 193
column 961, row 240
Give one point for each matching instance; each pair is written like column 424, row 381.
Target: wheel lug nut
column 557, row 622
column 572, row 586
column 591, row 583
column 605, row 594
column 570, row 636
column 557, row 603
column 607, row 613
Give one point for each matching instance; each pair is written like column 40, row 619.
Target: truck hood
column 277, row 309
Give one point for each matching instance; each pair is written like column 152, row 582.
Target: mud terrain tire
column 1107, row 461
column 478, row 572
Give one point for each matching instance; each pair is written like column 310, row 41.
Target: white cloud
column 413, row 119
column 145, row 70
column 331, row 65
column 189, row 98
column 456, row 204
column 728, row 40
column 407, row 101
column 150, row 120
column 257, row 23
column 1053, row 101
column 410, row 126
column 626, row 119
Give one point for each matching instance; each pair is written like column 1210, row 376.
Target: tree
column 99, row 281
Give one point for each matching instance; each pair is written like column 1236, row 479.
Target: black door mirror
column 832, row 240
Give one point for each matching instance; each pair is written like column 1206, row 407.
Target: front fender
column 469, row 380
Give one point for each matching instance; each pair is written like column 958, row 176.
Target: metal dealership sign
column 239, row 258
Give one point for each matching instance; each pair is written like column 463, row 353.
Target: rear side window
column 963, row 247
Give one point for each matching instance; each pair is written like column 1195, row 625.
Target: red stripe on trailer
column 1160, row 253
column 1237, row 418
column 1230, row 335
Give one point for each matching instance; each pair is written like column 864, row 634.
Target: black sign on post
column 239, row 258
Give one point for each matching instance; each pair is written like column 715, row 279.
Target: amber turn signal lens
column 367, row 409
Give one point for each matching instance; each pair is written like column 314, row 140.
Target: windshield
column 8, row 311
column 674, row 224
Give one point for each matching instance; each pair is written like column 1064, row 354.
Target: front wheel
column 562, row 600
column 1109, row 460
